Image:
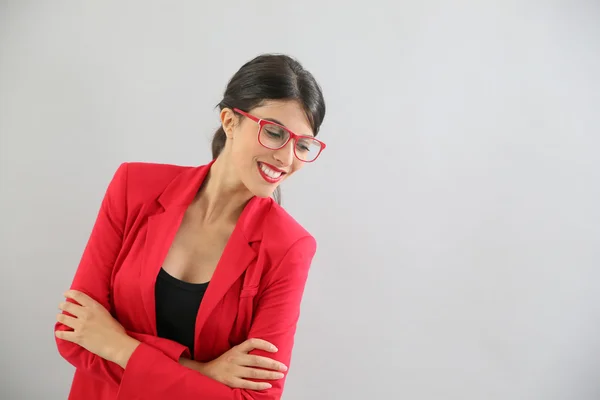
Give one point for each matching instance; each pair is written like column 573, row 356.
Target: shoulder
column 139, row 180
column 283, row 234
column 142, row 176
column 287, row 249
column 134, row 172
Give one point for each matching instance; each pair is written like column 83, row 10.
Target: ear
column 228, row 121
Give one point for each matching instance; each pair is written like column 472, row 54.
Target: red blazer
column 255, row 291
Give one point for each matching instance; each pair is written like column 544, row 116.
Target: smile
column 269, row 173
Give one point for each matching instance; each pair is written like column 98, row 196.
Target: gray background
column 456, row 207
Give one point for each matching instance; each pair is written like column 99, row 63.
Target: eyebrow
column 274, row 120
column 282, row 124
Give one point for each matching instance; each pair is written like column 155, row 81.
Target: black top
column 177, row 304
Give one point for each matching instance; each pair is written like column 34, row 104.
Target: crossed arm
column 94, row 329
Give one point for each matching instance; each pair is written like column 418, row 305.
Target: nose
column 285, row 155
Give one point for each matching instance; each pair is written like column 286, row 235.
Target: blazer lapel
column 236, row 257
column 161, row 229
column 160, row 234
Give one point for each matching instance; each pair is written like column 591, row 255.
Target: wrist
column 125, row 350
column 195, row 365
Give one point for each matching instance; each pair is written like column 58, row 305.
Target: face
column 261, row 169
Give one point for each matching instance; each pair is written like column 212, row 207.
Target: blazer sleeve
column 93, row 277
column 150, row 374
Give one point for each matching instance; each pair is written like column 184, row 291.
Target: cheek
column 245, row 151
column 297, row 165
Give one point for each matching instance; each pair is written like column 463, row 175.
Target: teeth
column 269, row 172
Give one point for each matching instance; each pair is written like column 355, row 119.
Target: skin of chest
column 196, row 248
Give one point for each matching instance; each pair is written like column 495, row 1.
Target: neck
column 223, row 196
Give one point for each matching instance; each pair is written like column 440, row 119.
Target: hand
column 235, row 367
column 95, row 329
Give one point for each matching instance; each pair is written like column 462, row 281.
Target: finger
column 71, row 322
column 71, row 308
column 245, row 384
column 80, row 297
column 263, row 362
column 254, row 373
column 258, row 344
column 69, row 336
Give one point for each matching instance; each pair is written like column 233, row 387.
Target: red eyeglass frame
column 262, row 122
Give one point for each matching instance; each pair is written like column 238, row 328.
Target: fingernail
column 283, row 367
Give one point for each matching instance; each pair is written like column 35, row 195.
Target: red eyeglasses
column 274, row 136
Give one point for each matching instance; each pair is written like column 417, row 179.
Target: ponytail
column 218, row 142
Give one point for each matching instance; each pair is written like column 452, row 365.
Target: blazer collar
column 181, row 190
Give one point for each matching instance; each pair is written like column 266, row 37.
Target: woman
column 191, row 282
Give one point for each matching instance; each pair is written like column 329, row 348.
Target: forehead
column 287, row 113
